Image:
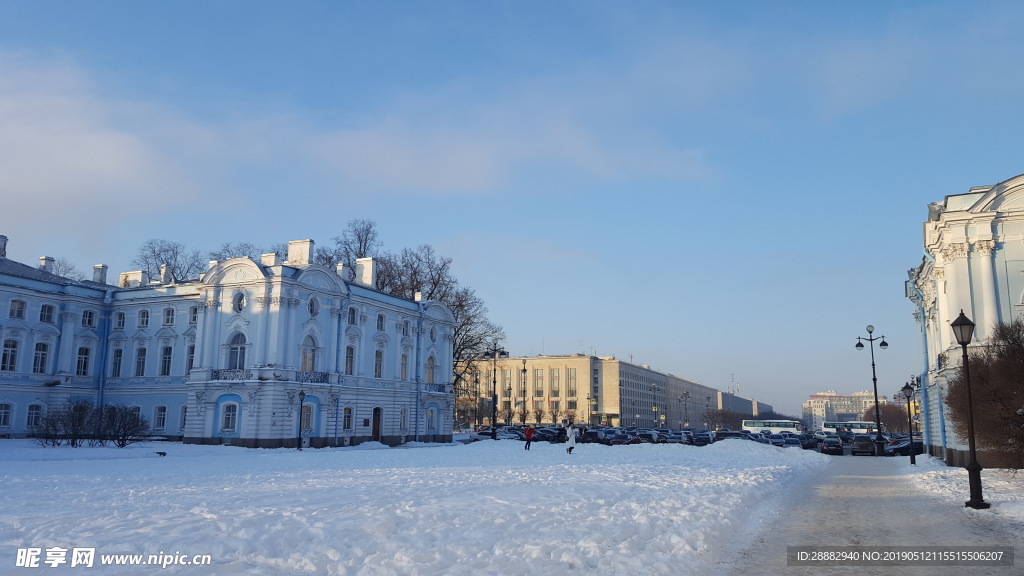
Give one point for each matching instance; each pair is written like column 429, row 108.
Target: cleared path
column 864, row 501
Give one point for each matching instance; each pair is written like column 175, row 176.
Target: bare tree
column 182, row 263
column 892, row 417
column 997, row 394
column 236, row 250
column 63, row 267
column 359, row 240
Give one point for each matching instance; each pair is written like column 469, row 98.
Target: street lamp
column 908, row 393
column 508, row 413
column 686, row 408
column 476, row 409
column 494, row 351
column 302, row 398
column 963, row 329
column 879, row 441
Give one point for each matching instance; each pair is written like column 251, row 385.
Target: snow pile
column 484, row 508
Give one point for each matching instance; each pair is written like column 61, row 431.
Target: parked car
column 792, row 442
column 621, row 439
column 777, row 439
column 593, row 437
column 902, row 448
column 862, row 444
column 832, row 446
column 702, row 439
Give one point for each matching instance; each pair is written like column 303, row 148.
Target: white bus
column 775, row 426
column 857, row 427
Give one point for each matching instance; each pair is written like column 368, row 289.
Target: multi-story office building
column 831, row 406
column 256, row 354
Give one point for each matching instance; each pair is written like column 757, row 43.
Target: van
column 862, row 444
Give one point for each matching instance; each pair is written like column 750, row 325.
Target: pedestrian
column 570, row 439
column 529, row 436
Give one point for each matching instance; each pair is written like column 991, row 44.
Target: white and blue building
column 258, row 354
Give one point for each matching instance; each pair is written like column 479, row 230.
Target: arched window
column 236, row 352
column 166, row 354
column 82, row 366
column 352, row 316
column 39, row 361
column 347, row 420
column 308, row 354
column 307, row 417
column 378, row 364
column 380, row 322
column 140, row 362
column 350, row 360
column 430, row 370
column 431, row 420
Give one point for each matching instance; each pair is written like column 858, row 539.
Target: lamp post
column 686, row 408
column 879, row 441
column 963, row 329
column 908, row 393
column 523, row 374
column 494, row 351
column 302, row 398
column 476, row 409
column 508, row 412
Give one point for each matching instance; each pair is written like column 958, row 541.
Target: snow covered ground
column 482, row 508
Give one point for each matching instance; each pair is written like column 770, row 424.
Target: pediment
column 1006, row 196
column 234, row 271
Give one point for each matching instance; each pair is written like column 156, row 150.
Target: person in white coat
column 570, row 438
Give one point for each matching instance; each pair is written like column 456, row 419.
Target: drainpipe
column 104, row 343
column 419, row 330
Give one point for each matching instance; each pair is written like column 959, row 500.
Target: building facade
column 973, row 261
column 831, row 406
column 600, row 390
column 258, row 354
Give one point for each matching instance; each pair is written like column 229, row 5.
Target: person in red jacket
column 529, row 436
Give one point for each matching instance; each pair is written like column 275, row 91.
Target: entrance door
column 378, row 415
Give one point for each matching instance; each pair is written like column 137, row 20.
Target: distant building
column 973, row 261
column 252, row 353
column 833, row 407
column 594, row 389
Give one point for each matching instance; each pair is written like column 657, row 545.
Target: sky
column 728, row 192
column 482, row 509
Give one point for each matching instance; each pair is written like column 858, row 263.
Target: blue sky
column 727, row 191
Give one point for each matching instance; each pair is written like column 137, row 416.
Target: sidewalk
column 865, row 501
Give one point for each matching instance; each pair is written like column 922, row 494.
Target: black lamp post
column 508, row 412
column 686, row 409
column 908, row 393
column 494, row 351
column 963, row 329
column 523, row 374
column 302, row 398
column 879, row 440
column 476, row 409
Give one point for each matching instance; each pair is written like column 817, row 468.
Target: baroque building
column 973, row 261
column 258, row 354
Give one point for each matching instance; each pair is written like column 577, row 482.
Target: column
column 989, row 302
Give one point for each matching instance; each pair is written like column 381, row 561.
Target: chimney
column 341, row 271
column 418, row 296
column 270, row 259
column 300, row 252
column 99, row 273
column 165, row 274
column 3, row 246
column 46, row 264
column 364, row 271
column 133, row 279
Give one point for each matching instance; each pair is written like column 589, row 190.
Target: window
column 82, row 366
column 115, row 363
column 236, row 352
column 238, row 302
column 46, row 314
column 165, row 361
column 571, row 404
column 403, row 419
column 405, row 366
column 190, row 357
column 39, row 360
column 555, row 384
column 229, row 419
column 570, row 381
column 430, row 370
column 346, row 422
column 350, row 360
column 352, row 316
column 182, row 415
column 35, row 416
column 378, row 364
column 159, row 417
column 554, row 405
column 433, row 334
column 119, row 321
column 17, row 309
column 168, row 316
column 314, row 307
column 380, row 322
column 193, row 315
column 308, row 354
column 10, row 355
column 88, row 319
column 140, row 362
column 306, row 419
column 405, row 328
column 538, row 382
column 5, row 414
column 431, row 420
column 143, row 318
